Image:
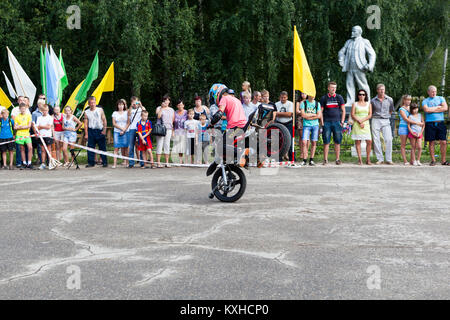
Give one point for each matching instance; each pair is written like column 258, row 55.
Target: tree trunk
column 200, row 16
column 418, row 73
column 444, row 71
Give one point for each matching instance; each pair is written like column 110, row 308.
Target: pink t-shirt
column 234, row 111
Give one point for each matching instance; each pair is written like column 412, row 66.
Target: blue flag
column 52, row 81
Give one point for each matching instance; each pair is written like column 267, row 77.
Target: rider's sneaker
column 312, row 163
column 304, row 163
column 244, row 158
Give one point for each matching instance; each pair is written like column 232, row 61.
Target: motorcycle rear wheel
column 284, row 142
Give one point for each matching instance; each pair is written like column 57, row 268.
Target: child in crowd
column 71, row 126
column 6, row 135
column 192, row 127
column 249, row 107
column 22, row 125
column 415, row 134
column 58, row 121
column 311, row 113
column 204, row 138
column 143, row 130
column 45, row 126
column 245, row 89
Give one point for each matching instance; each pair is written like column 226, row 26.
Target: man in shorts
column 435, row 130
column 22, row 125
column 333, row 112
column 311, row 113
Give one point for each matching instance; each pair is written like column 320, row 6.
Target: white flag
column 12, row 92
column 23, row 84
column 57, row 65
column 59, row 72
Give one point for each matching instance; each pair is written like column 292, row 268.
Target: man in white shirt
column 95, row 131
column 285, row 113
column 256, row 98
column 15, row 111
column 44, row 124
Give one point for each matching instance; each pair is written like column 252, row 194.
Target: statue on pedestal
column 353, row 60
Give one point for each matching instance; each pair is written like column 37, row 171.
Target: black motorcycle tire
column 242, row 184
column 285, row 139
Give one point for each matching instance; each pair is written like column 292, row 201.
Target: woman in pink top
column 58, row 121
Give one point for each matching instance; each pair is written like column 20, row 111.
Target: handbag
column 350, row 120
column 159, row 130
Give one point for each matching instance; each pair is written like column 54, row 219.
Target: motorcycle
column 229, row 182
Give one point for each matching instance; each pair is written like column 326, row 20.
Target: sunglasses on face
column 361, row 94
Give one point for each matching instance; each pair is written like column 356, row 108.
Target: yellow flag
column 4, row 100
column 72, row 103
column 303, row 79
column 107, row 85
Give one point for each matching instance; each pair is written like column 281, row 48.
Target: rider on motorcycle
column 232, row 107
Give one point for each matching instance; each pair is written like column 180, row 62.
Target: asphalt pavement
column 346, row 232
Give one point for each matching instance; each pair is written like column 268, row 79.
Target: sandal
column 433, row 163
column 446, row 163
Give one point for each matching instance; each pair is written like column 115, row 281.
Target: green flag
column 64, row 82
column 91, row 77
column 43, row 74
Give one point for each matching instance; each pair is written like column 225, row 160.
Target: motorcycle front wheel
column 236, row 184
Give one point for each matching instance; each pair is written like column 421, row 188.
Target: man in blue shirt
column 435, row 130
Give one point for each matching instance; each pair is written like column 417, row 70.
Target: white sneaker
column 419, row 164
column 42, row 167
column 407, row 163
column 415, row 163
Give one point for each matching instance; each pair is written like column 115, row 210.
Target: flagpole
column 295, row 108
column 17, row 74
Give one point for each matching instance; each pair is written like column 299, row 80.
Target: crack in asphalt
column 62, row 261
column 74, row 242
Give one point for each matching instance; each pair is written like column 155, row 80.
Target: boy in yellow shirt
column 22, row 125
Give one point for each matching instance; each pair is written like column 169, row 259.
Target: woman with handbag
column 179, row 136
column 166, row 117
